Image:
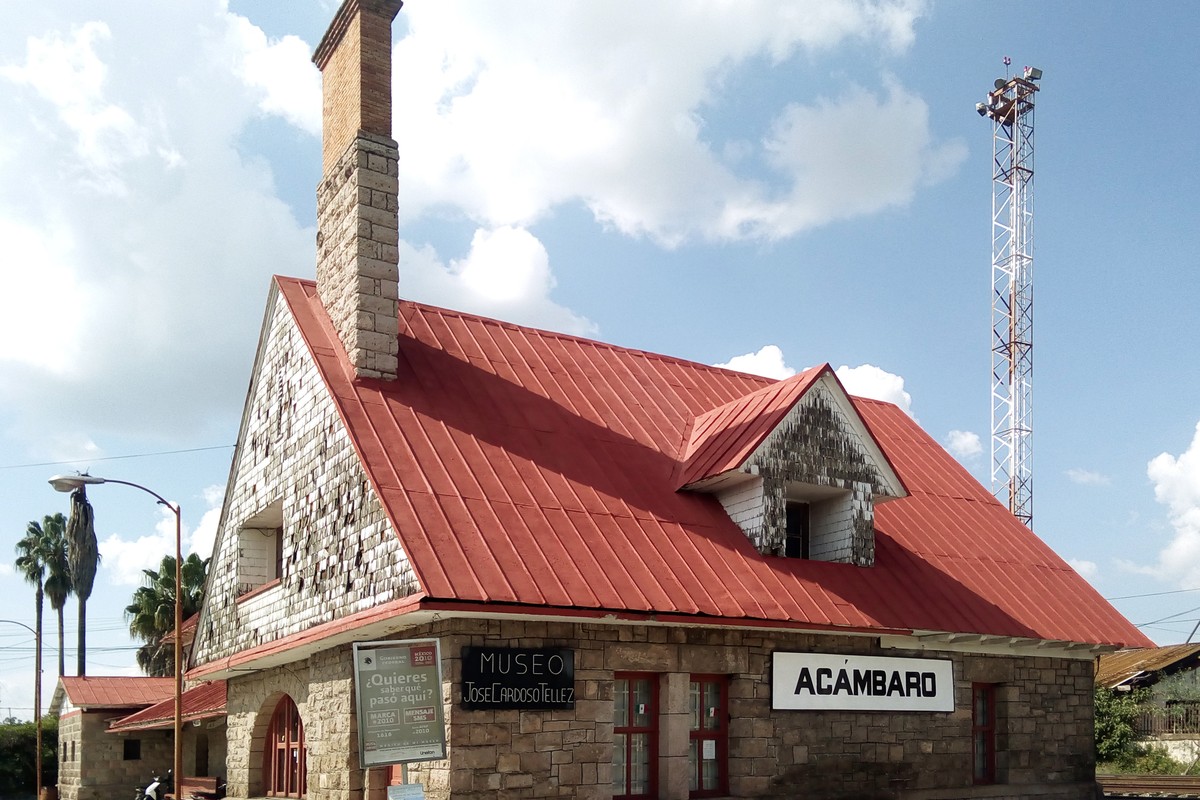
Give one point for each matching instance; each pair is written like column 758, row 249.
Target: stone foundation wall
column 1044, row 733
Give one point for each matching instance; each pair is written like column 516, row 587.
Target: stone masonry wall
column 100, row 770
column 357, row 254
column 1044, row 733
column 340, row 553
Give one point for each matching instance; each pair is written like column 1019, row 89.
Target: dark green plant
column 17, row 742
column 1116, row 736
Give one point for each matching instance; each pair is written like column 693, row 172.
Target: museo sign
column 538, row 678
column 824, row 682
column 398, row 696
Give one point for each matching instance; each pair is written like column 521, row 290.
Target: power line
column 117, row 458
column 1151, row 594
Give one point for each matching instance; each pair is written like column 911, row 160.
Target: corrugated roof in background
column 205, row 701
column 88, row 692
column 1119, row 667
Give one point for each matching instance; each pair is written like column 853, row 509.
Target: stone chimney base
column 357, row 257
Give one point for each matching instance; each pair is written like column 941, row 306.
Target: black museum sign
column 517, row 677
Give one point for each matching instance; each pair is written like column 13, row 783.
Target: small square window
column 133, row 749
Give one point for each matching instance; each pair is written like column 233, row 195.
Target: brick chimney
column 357, row 259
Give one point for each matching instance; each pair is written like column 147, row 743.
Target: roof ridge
column 546, row 332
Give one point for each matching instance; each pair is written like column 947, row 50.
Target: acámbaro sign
column 827, row 682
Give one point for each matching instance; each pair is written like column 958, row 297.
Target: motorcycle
column 157, row 789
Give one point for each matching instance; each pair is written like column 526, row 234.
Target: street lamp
column 37, row 705
column 69, row 483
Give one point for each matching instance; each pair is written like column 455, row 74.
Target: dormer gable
column 796, row 467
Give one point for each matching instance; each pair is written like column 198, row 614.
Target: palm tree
column 151, row 615
column 83, row 555
column 58, row 584
column 31, row 563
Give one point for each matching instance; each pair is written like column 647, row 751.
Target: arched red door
column 284, row 769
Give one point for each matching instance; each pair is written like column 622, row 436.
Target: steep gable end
column 303, row 539
column 796, row 468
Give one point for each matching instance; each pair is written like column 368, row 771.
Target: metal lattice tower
column 1010, row 108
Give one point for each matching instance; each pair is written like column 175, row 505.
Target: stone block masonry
column 357, row 256
column 1044, row 733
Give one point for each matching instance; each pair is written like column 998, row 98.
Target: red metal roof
column 200, row 702
column 722, row 439
column 88, row 692
column 536, row 469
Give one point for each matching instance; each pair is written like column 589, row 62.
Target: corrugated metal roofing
column 1119, row 667
column 525, row 467
column 87, row 692
column 200, row 702
column 722, row 439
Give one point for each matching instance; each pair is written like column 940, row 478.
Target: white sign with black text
column 825, row 682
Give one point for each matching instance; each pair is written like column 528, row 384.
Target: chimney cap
column 341, row 21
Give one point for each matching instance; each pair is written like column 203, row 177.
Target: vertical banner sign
column 398, row 696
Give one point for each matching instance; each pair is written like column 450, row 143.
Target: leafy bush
column 17, row 746
column 1116, row 738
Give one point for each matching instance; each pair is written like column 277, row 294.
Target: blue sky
column 795, row 183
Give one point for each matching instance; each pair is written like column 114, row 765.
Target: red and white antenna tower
column 1010, row 108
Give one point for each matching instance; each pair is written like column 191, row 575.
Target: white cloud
column 513, row 115
column 1086, row 477
column 1088, row 569
column 120, row 162
column 505, row 275
column 964, row 444
column 281, row 73
column 870, row 381
column 124, row 559
column 1177, row 486
column 768, row 362
column 205, row 535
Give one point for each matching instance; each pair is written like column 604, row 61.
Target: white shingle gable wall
column 744, row 505
column 340, row 553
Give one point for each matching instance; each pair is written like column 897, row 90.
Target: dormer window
column 796, row 468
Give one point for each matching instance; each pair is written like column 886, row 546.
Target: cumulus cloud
column 870, row 381
column 1086, row 477
column 768, row 362
column 205, row 535
column 964, row 444
column 124, row 559
column 1176, row 482
column 281, row 73
column 515, row 115
column 1088, row 569
column 506, row 275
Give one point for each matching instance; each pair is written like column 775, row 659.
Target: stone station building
column 639, row 576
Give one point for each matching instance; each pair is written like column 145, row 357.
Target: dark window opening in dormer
column 797, row 530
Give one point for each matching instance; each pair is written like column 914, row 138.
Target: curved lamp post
column 37, row 703
column 69, row 483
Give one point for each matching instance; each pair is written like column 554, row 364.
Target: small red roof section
column 722, row 440
column 88, row 692
column 541, row 471
column 205, row 701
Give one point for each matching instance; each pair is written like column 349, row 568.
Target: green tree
column 151, row 614
column 83, row 556
column 1116, row 737
column 58, row 584
column 31, row 563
